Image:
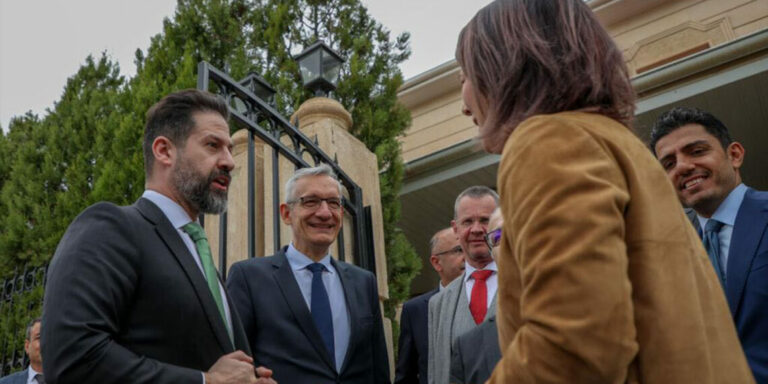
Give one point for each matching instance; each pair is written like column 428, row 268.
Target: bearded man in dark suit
column 132, row 295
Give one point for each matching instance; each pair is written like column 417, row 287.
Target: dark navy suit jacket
column 283, row 336
column 413, row 348
column 747, row 280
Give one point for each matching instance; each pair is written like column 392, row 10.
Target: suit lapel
column 285, row 279
column 171, row 238
column 751, row 223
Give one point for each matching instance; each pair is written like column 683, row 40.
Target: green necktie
column 197, row 234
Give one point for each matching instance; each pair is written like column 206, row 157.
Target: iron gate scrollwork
column 261, row 120
column 21, row 292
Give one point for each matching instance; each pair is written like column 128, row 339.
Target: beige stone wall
column 650, row 33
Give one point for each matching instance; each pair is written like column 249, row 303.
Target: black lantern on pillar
column 320, row 68
column 259, row 87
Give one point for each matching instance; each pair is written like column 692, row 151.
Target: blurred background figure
column 477, row 351
column 469, row 300
column 602, row 278
column 34, row 372
column 447, row 258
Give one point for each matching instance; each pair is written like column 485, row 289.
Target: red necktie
column 478, row 304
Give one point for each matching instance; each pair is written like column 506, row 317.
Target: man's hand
column 233, row 368
column 264, row 375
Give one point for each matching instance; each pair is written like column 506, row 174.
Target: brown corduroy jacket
column 602, row 279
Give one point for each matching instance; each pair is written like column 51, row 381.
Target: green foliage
column 52, row 164
column 368, row 87
column 88, row 148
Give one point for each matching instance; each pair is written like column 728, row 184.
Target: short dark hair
column 531, row 57
column 475, row 192
column 679, row 116
column 172, row 117
column 32, row 324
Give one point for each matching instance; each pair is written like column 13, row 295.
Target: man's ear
column 435, row 261
column 455, row 229
column 164, row 151
column 736, row 154
column 285, row 213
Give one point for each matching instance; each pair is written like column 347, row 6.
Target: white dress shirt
column 492, row 283
column 31, row 373
column 726, row 214
column 341, row 327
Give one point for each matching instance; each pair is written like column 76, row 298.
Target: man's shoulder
column 419, row 300
column 760, row 196
column 353, row 270
column 18, row 377
column 451, row 290
column 257, row 262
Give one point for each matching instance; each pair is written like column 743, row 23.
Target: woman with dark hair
column 602, row 279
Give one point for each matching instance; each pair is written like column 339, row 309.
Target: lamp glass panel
column 262, row 92
column 331, row 68
column 310, row 66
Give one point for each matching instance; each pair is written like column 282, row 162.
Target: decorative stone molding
column 676, row 43
column 322, row 108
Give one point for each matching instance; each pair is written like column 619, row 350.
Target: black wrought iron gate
column 263, row 121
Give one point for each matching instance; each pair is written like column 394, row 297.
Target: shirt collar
column 299, row 261
column 728, row 209
column 468, row 269
column 31, row 373
column 172, row 210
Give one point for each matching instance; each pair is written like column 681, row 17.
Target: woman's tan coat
column 602, row 278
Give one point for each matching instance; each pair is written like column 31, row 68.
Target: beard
column 195, row 188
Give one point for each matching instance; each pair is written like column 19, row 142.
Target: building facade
column 710, row 54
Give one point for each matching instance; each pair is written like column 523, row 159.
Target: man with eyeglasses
column 469, row 300
column 447, row 257
column 308, row 317
column 476, row 352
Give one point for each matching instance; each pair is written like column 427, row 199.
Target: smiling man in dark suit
column 703, row 163
column 447, row 257
column 132, row 295
column 308, row 317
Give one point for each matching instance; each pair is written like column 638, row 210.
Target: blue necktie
column 712, row 245
column 321, row 308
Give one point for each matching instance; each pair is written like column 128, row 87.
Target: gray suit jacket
column 476, row 354
column 449, row 317
column 19, row 377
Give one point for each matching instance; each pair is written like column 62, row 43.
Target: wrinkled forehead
column 317, row 185
column 475, row 207
column 446, row 240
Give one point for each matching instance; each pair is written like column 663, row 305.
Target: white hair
column 320, row 170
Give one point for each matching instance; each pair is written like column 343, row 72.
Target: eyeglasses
column 493, row 238
column 454, row 250
column 312, row 202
